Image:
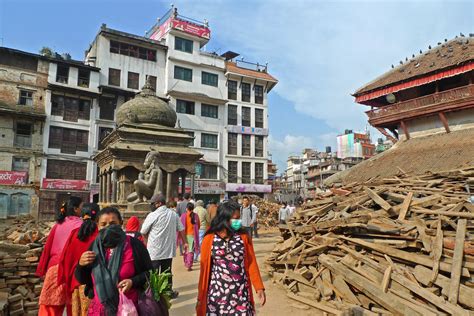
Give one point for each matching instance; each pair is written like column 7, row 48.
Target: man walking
column 159, row 229
column 248, row 215
column 204, row 219
column 181, row 208
column 283, row 214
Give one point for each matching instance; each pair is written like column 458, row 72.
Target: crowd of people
column 91, row 259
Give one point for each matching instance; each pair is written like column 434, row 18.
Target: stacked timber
column 21, row 244
column 267, row 212
column 402, row 245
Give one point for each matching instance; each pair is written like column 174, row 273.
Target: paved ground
column 277, row 303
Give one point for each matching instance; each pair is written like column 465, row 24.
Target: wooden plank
column 437, row 251
column 386, row 300
column 466, row 294
column 321, row 306
column 445, row 213
column 345, row 290
column 405, row 206
column 386, row 279
column 421, row 227
column 457, row 261
column 377, row 199
column 326, row 277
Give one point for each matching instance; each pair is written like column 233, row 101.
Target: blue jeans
column 197, row 254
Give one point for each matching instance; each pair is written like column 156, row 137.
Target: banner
column 247, row 130
column 62, row 184
column 13, row 177
column 183, row 26
column 209, row 187
column 248, row 188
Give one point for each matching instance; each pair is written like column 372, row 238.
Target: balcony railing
column 419, row 106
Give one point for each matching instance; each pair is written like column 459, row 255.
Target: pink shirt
column 63, row 230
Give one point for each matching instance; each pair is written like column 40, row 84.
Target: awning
column 415, row 82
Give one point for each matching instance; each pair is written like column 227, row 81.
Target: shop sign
column 62, row 184
column 187, row 187
column 248, row 188
column 13, row 177
column 183, row 26
column 247, row 130
column 209, row 187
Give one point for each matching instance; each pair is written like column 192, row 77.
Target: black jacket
column 141, row 260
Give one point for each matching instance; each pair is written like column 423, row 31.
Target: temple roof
column 446, row 55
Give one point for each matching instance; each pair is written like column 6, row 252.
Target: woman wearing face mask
column 79, row 241
column 228, row 267
column 53, row 297
column 115, row 262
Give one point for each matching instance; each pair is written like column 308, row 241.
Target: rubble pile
column 401, row 245
column 21, row 244
column 267, row 212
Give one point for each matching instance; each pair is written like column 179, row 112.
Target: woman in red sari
column 53, row 294
column 79, row 242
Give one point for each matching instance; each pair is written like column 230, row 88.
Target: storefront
column 260, row 190
column 16, row 197
column 209, row 191
column 54, row 192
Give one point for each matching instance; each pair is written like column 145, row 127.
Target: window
column 258, row 146
column 107, row 108
column 245, row 92
column 71, row 109
column 209, row 79
column 62, row 74
column 84, row 109
column 23, row 134
column 259, row 118
column 68, row 140
column 182, row 73
column 232, row 171
column 246, row 172
column 114, row 77
column 183, row 45
column 246, row 116
column 132, row 50
column 191, row 141
column 259, row 173
column 246, row 145
column 208, row 141
column 26, row 97
column 258, row 94
column 186, row 107
column 65, row 169
column 152, row 80
column 208, row 171
column 232, row 114
column 133, row 79
column 83, row 78
column 103, row 132
column 208, row 110
column 21, row 164
column 232, row 143
column 232, row 90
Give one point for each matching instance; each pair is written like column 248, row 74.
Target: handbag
column 147, row 305
column 188, row 259
column 126, row 306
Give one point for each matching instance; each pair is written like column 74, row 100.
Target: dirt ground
column 277, row 302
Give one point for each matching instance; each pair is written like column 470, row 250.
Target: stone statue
column 149, row 182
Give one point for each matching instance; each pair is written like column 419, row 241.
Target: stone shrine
column 145, row 154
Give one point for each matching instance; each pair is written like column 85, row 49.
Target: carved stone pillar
column 114, row 186
column 108, row 187
column 169, row 190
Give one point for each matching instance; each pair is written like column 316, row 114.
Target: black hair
column 68, row 208
column 186, row 196
column 89, row 214
column 172, row 204
column 284, row 204
column 212, row 202
column 246, row 198
column 223, row 217
column 111, row 210
column 190, row 207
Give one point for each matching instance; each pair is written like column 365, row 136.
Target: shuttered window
column 64, row 169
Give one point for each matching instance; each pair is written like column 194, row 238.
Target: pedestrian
column 229, row 267
column 159, row 229
column 181, row 208
column 190, row 221
column 283, row 213
column 114, row 262
column 133, row 228
column 172, row 205
column 255, row 224
column 53, row 297
column 212, row 209
column 204, row 219
column 78, row 242
column 248, row 215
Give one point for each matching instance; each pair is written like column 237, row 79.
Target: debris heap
column 402, row 245
column 267, row 213
column 21, row 244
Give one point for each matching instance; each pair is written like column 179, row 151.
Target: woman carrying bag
column 228, row 267
column 191, row 223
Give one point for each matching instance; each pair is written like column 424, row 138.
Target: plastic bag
column 126, row 306
column 188, row 259
column 148, row 306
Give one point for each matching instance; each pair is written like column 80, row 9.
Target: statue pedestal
column 140, row 210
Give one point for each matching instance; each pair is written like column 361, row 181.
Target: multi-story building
column 69, row 137
column 354, row 145
column 23, row 80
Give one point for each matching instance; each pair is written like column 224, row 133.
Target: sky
column 320, row 51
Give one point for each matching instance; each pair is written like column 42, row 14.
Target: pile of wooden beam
column 20, row 249
column 267, row 212
column 402, row 245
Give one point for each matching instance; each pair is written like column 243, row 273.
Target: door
column 3, row 205
column 19, row 204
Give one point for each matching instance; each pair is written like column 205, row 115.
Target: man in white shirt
column 159, row 229
column 283, row 214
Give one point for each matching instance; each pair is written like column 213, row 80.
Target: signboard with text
column 209, row 187
column 13, row 177
column 183, row 26
column 248, row 188
column 247, row 130
column 63, row 184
